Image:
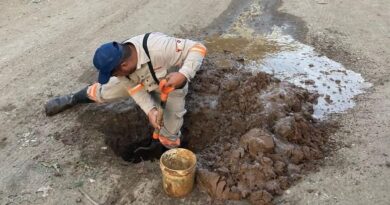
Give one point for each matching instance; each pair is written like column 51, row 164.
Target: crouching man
column 134, row 68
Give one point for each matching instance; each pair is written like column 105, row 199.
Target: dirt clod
column 297, row 155
column 273, row 187
column 257, row 142
column 260, row 198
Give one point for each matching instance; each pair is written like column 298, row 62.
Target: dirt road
column 355, row 33
column 46, row 50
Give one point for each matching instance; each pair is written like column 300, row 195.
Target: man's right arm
column 117, row 88
column 113, row 90
column 122, row 87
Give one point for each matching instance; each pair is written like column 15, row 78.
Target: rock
column 279, row 167
column 285, row 127
column 274, row 111
column 260, row 198
column 223, row 170
column 255, row 176
column 296, row 177
column 231, row 85
column 227, row 146
column 207, row 181
column 309, row 82
column 283, row 182
column 310, row 190
column 306, row 152
column 45, row 190
column 276, row 157
column 328, row 99
column 257, row 141
column 236, row 155
column 297, row 155
column 273, row 187
column 215, row 186
column 266, row 161
column 293, row 169
column 233, row 157
column 243, row 189
column 220, row 189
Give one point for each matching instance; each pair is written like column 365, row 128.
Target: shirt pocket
column 143, row 76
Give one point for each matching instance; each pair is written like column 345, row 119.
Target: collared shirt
column 168, row 54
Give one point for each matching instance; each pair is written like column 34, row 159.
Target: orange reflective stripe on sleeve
column 199, row 48
column 135, row 89
column 92, row 92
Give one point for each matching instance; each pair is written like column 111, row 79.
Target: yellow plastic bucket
column 178, row 169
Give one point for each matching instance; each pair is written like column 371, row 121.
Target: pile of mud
column 253, row 134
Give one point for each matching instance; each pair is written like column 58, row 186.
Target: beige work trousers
column 173, row 113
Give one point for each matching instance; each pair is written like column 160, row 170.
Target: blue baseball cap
column 107, row 57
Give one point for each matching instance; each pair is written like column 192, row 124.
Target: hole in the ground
column 125, row 128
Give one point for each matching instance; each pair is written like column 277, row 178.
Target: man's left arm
column 193, row 61
column 191, row 64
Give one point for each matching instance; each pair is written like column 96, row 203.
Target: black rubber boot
column 59, row 104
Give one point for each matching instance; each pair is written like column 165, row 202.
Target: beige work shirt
column 168, row 54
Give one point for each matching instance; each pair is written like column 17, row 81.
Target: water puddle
column 297, row 63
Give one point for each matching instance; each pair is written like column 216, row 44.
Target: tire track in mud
column 271, row 16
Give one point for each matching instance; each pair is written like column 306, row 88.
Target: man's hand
column 176, row 80
column 152, row 115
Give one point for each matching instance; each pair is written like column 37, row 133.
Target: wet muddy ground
column 253, row 134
